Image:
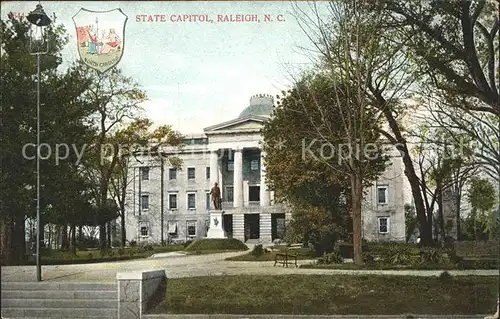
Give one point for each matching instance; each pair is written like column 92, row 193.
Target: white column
column 238, row 178
column 264, row 193
column 214, row 168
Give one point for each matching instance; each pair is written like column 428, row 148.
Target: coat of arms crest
column 100, row 37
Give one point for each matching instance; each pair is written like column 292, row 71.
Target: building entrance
column 252, row 225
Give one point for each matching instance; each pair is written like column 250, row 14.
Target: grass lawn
column 302, row 253
column 384, row 266
column 328, row 295
column 197, row 247
column 219, row 245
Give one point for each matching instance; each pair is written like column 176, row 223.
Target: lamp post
column 38, row 45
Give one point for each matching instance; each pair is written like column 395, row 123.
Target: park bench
column 471, row 252
column 284, row 258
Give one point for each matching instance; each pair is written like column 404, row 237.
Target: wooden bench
column 284, row 258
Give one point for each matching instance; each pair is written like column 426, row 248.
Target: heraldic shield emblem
column 100, row 37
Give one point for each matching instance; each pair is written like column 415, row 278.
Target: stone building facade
column 230, row 154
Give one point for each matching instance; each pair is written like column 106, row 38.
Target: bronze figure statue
column 216, row 196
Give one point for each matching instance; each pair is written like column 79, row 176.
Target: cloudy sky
column 197, row 74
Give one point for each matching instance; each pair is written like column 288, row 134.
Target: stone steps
column 59, row 300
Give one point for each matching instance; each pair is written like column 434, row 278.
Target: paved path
column 178, row 266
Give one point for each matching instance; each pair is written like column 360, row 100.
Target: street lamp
column 38, row 45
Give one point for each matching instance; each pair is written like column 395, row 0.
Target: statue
column 216, row 199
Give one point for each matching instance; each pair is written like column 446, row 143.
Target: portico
column 237, row 165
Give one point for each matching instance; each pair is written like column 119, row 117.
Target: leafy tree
column 483, row 198
column 453, row 43
column 115, row 99
column 61, row 115
column 126, row 143
column 318, row 163
column 443, row 166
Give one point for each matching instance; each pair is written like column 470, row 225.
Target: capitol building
column 175, row 203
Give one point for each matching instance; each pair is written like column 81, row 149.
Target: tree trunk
column 441, row 211
column 109, row 230
column 6, row 237
column 357, row 197
column 80, row 235
column 459, row 221
column 400, row 143
column 18, row 242
column 73, row 240
column 123, row 231
column 64, row 240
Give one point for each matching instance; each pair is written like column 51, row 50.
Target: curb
column 271, row 316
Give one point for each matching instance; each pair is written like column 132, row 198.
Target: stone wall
column 140, row 291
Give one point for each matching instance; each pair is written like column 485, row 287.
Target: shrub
column 187, row 243
column 258, row 250
column 445, row 276
column 335, row 257
column 216, row 244
column 400, row 256
column 116, row 243
column 111, row 253
column 432, row 256
column 131, row 252
column 133, row 243
column 325, row 244
column 368, row 258
column 120, row 252
column 90, row 256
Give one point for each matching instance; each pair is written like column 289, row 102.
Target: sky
column 197, row 74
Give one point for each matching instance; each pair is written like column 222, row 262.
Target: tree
column 61, row 114
column 444, row 166
column 115, row 98
column 126, row 143
column 310, row 117
column 482, row 197
column 453, row 42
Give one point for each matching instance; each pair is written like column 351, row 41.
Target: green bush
column 335, row 257
column 216, row 244
column 133, row 243
column 430, row 255
column 90, row 256
column 368, row 258
column 400, row 256
column 258, row 250
column 120, row 252
column 445, row 276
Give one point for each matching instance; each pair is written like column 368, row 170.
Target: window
column 382, row 194
column 144, row 173
column 144, row 231
column 191, row 228
column 254, row 193
column 229, row 193
column 208, row 200
column 172, row 228
column 172, row 201
column 172, row 173
column 230, row 166
column 254, row 165
column 383, row 225
column 144, row 202
column 191, row 173
column 207, row 173
column 191, row 201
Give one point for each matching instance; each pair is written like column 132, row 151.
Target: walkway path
column 178, row 266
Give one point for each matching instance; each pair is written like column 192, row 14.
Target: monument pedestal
column 215, row 229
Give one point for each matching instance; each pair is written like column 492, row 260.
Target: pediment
column 243, row 124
